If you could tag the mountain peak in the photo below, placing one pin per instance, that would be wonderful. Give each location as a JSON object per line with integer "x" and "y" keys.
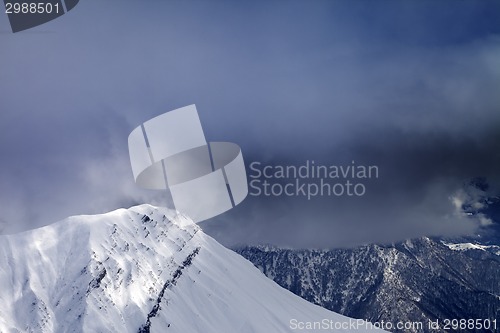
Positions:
{"x": 142, "y": 269}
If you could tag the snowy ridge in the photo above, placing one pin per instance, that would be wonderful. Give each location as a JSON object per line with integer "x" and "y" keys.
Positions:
{"x": 144, "y": 269}
{"x": 495, "y": 249}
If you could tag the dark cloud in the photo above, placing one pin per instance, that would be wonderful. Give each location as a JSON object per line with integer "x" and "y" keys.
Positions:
{"x": 408, "y": 86}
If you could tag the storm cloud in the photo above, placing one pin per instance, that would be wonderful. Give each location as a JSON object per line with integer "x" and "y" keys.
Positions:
{"x": 411, "y": 87}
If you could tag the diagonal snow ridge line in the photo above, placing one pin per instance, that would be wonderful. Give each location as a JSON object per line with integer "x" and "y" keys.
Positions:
{"x": 172, "y": 282}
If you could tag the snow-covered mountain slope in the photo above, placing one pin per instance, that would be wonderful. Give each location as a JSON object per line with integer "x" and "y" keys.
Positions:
{"x": 144, "y": 269}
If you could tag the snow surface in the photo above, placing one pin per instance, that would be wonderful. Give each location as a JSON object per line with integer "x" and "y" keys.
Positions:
{"x": 495, "y": 249}
{"x": 143, "y": 269}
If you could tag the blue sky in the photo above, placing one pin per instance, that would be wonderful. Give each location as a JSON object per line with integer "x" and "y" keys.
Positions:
{"x": 408, "y": 85}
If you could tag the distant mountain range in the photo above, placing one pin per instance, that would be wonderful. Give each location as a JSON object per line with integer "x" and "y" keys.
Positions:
{"x": 418, "y": 280}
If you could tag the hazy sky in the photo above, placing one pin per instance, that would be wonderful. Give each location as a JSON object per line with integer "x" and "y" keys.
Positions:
{"x": 409, "y": 86}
